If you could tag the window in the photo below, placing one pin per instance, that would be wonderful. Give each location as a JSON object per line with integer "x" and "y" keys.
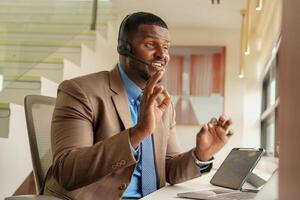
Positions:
{"x": 270, "y": 102}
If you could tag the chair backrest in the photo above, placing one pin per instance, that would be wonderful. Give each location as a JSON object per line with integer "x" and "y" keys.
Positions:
{"x": 38, "y": 112}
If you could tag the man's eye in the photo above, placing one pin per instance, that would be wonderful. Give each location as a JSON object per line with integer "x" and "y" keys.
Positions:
{"x": 166, "y": 47}
{"x": 149, "y": 45}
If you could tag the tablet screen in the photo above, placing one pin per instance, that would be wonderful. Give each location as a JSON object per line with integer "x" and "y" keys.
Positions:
{"x": 236, "y": 167}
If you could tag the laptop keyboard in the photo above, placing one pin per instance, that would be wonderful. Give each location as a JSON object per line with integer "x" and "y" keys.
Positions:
{"x": 235, "y": 196}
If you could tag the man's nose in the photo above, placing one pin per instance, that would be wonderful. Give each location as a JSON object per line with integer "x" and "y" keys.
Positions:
{"x": 160, "y": 53}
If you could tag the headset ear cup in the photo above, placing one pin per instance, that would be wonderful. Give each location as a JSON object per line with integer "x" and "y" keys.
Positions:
{"x": 124, "y": 48}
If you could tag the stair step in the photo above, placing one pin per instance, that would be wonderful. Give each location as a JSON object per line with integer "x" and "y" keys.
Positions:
{"x": 42, "y": 43}
{"x": 100, "y": 21}
{"x": 65, "y": 27}
{"x": 41, "y": 49}
{"x": 30, "y": 59}
{"x": 45, "y": 36}
{"x": 48, "y": 31}
{"x": 17, "y": 87}
{"x": 49, "y": 67}
{"x": 16, "y": 51}
{"x": 23, "y": 78}
{"x": 18, "y": 82}
{"x": 20, "y": 68}
{"x": 54, "y": 45}
{"x": 38, "y": 56}
{"x": 55, "y": 12}
{"x": 52, "y": 16}
{"x": 37, "y": 18}
{"x": 23, "y": 67}
{"x": 4, "y": 105}
{"x": 37, "y": 68}
{"x": 54, "y": 74}
{"x": 56, "y": 4}
{"x": 19, "y": 11}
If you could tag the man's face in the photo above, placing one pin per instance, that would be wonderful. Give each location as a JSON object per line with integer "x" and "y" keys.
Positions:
{"x": 150, "y": 43}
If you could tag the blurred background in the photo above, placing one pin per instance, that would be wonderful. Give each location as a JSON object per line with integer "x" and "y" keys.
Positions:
{"x": 224, "y": 60}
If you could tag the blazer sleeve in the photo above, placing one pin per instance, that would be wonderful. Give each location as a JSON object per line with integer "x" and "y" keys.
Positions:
{"x": 180, "y": 167}
{"x": 77, "y": 161}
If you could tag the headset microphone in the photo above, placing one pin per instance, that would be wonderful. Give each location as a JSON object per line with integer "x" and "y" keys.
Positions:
{"x": 132, "y": 56}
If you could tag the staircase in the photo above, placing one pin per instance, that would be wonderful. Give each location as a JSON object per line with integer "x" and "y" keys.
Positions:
{"x": 42, "y": 43}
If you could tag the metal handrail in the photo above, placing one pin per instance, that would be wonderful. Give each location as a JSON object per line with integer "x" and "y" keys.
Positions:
{"x": 94, "y": 15}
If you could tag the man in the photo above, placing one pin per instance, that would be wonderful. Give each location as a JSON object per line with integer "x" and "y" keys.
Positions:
{"x": 113, "y": 133}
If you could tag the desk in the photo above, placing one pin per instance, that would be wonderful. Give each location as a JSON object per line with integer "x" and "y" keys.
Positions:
{"x": 264, "y": 169}
{"x": 170, "y": 191}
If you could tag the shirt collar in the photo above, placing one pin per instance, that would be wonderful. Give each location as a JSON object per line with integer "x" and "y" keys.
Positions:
{"x": 133, "y": 91}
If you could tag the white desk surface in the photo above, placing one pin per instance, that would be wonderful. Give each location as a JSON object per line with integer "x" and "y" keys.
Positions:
{"x": 169, "y": 192}
{"x": 202, "y": 183}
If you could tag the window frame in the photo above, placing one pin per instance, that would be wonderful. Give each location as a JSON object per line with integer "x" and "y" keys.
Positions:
{"x": 269, "y": 110}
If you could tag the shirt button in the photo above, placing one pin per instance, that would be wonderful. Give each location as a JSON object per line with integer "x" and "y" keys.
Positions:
{"x": 123, "y": 186}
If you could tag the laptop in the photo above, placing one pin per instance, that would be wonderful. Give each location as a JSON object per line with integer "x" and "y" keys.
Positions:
{"x": 268, "y": 192}
{"x": 232, "y": 174}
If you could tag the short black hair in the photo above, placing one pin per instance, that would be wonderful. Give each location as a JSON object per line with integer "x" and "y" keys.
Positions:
{"x": 135, "y": 19}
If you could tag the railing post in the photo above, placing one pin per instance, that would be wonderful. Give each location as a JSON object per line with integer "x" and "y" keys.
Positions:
{"x": 94, "y": 15}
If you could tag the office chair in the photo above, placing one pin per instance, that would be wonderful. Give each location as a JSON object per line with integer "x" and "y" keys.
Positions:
{"x": 38, "y": 112}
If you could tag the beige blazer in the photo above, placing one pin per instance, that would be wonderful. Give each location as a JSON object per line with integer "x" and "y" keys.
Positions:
{"x": 92, "y": 158}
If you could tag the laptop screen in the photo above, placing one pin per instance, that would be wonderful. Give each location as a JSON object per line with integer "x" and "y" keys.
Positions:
{"x": 236, "y": 167}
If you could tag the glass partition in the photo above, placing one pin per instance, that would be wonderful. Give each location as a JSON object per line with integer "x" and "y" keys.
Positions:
{"x": 37, "y": 36}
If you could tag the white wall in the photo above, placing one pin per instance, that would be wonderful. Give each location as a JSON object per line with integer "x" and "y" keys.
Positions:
{"x": 14, "y": 154}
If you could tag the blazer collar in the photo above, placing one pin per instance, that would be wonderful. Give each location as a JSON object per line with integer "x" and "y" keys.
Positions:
{"x": 120, "y": 98}
{"x": 115, "y": 81}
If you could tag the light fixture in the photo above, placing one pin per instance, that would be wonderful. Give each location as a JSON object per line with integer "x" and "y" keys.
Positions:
{"x": 248, "y": 28}
{"x": 258, "y": 5}
{"x": 241, "y": 71}
{"x": 213, "y": 1}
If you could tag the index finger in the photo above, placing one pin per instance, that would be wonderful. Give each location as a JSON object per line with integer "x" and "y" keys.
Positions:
{"x": 152, "y": 82}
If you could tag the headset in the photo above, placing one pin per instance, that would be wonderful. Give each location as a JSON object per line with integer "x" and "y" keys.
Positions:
{"x": 124, "y": 47}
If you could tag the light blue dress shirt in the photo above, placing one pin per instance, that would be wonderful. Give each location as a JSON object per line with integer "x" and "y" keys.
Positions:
{"x": 133, "y": 93}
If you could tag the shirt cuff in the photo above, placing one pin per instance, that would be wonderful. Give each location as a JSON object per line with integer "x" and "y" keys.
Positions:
{"x": 135, "y": 151}
{"x": 202, "y": 165}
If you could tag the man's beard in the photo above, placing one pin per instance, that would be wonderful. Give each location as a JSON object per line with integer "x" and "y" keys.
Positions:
{"x": 145, "y": 74}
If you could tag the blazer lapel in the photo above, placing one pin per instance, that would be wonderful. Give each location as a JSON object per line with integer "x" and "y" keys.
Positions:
{"x": 120, "y": 98}
{"x": 120, "y": 101}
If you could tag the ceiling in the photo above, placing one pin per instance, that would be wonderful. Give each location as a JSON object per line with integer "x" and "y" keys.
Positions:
{"x": 188, "y": 13}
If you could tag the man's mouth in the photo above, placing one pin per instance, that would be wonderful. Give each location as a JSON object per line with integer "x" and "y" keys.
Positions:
{"x": 158, "y": 65}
